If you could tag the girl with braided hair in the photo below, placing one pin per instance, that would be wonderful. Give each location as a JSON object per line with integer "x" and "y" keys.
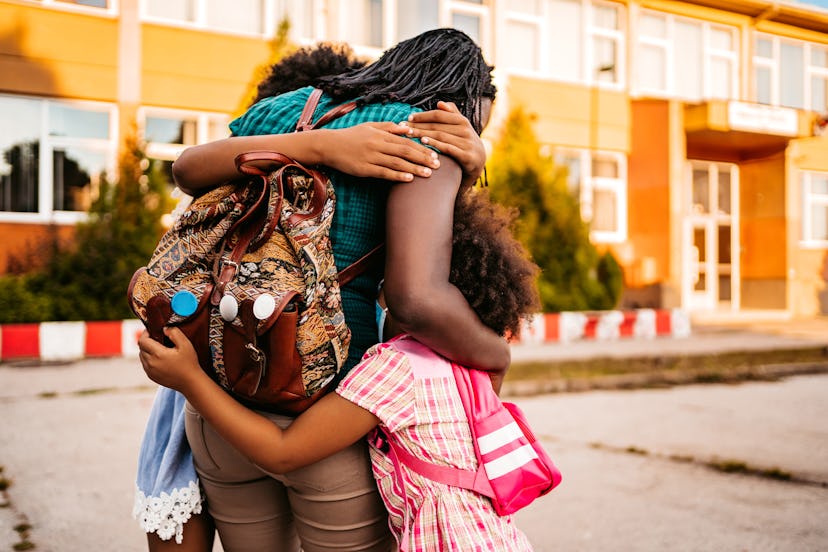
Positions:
{"x": 334, "y": 502}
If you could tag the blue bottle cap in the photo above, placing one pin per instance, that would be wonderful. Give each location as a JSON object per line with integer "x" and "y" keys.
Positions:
{"x": 184, "y": 303}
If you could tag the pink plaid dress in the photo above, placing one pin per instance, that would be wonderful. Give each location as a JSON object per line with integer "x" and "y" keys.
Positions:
{"x": 423, "y": 410}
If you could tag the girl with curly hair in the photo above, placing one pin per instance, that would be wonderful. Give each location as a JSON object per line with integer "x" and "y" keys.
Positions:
{"x": 389, "y": 388}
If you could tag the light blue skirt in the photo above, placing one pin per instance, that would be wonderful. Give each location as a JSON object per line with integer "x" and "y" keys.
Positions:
{"x": 167, "y": 491}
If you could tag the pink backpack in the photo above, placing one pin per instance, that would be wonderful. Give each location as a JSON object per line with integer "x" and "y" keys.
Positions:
{"x": 513, "y": 469}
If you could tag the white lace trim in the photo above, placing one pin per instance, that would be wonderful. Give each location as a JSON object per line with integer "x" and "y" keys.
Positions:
{"x": 167, "y": 514}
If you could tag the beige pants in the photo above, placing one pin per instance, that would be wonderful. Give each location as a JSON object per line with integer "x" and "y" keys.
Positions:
{"x": 330, "y": 505}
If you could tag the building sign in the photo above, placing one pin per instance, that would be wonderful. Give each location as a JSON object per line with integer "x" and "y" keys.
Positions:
{"x": 762, "y": 118}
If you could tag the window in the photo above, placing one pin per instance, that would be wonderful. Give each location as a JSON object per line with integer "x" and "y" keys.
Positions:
{"x": 168, "y": 132}
{"x": 572, "y": 40}
{"x": 90, "y": 3}
{"x": 790, "y": 73}
{"x": 523, "y": 48}
{"x": 303, "y": 16}
{"x": 241, "y": 16}
{"x": 364, "y": 23}
{"x": 99, "y": 7}
{"x": 379, "y": 24}
{"x": 52, "y": 155}
{"x": 599, "y": 181}
{"x": 685, "y": 58}
{"x": 815, "y": 208}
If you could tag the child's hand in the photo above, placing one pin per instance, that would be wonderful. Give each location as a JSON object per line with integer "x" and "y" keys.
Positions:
{"x": 449, "y": 131}
{"x": 376, "y": 150}
{"x": 175, "y": 367}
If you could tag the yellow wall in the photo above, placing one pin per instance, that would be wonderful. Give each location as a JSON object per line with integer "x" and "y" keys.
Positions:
{"x": 808, "y": 268}
{"x": 197, "y": 70}
{"x": 574, "y": 115}
{"x": 55, "y": 53}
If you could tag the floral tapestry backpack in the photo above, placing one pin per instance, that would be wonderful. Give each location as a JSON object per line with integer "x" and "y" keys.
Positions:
{"x": 247, "y": 273}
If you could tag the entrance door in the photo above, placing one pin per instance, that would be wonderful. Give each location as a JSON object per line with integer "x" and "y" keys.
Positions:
{"x": 710, "y": 274}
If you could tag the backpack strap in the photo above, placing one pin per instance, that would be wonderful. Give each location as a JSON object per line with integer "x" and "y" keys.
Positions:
{"x": 306, "y": 118}
{"x": 473, "y": 480}
{"x": 370, "y": 259}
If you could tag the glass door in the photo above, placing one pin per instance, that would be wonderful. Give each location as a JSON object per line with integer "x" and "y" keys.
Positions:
{"x": 710, "y": 274}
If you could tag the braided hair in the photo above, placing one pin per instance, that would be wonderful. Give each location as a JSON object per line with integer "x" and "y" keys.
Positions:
{"x": 440, "y": 64}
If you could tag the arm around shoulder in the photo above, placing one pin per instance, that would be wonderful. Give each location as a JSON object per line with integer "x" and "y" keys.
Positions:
{"x": 417, "y": 288}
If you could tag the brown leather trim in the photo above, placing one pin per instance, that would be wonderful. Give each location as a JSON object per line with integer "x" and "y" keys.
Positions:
{"x": 362, "y": 264}
{"x": 243, "y": 161}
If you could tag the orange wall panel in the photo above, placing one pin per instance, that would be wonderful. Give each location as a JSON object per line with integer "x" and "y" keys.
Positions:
{"x": 764, "y": 235}
{"x": 648, "y": 188}
{"x": 58, "y": 53}
{"x": 23, "y": 240}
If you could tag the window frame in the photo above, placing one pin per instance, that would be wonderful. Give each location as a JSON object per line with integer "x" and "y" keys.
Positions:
{"x": 390, "y": 33}
{"x": 47, "y": 143}
{"x": 588, "y": 33}
{"x": 111, "y": 10}
{"x": 667, "y": 43}
{"x": 774, "y": 64}
{"x": 199, "y": 21}
{"x": 168, "y": 151}
{"x": 809, "y": 200}
{"x": 589, "y": 184}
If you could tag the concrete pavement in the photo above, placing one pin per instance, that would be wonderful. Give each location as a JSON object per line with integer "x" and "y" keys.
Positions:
{"x": 636, "y": 464}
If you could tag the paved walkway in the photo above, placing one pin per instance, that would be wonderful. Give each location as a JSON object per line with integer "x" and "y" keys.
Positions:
{"x": 70, "y": 436}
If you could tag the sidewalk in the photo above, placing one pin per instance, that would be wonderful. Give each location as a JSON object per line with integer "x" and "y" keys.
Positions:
{"x": 70, "y": 432}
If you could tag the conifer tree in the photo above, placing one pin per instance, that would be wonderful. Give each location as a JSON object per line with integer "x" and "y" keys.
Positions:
{"x": 574, "y": 276}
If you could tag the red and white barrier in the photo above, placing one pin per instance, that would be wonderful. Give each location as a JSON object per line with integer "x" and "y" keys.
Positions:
{"x": 566, "y": 327}
{"x": 67, "y": 341}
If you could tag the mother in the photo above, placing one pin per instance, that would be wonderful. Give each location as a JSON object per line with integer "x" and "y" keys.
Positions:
{"x": 334, "y": 504}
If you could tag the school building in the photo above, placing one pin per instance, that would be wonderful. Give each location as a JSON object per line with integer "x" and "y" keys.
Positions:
{"x": 691, "y": 129}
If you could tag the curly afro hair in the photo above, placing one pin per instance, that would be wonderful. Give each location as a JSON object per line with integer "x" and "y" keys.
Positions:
{"x": 306, "y": 66}
{"x": 489, "y": 266}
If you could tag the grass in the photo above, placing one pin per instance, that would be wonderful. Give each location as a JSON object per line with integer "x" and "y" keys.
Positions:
{"x": 23, "y": 532}
{"x": 724, "y": 466}
{"x": 662, "y": 371}
{"x": 737, "y": 466}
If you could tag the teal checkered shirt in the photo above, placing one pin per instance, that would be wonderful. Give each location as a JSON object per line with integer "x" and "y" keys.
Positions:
{"x": 359, "y": 221}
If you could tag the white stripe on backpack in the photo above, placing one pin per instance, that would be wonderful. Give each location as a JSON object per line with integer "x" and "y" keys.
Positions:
{"x": 510, "y": 462}
{"x": 499, "y": 437}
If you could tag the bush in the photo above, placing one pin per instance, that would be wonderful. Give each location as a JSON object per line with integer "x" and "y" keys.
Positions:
{"x": 88, "y": 279}
{"x": 20, "y": 303}
{"x": 574, "y": 276}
